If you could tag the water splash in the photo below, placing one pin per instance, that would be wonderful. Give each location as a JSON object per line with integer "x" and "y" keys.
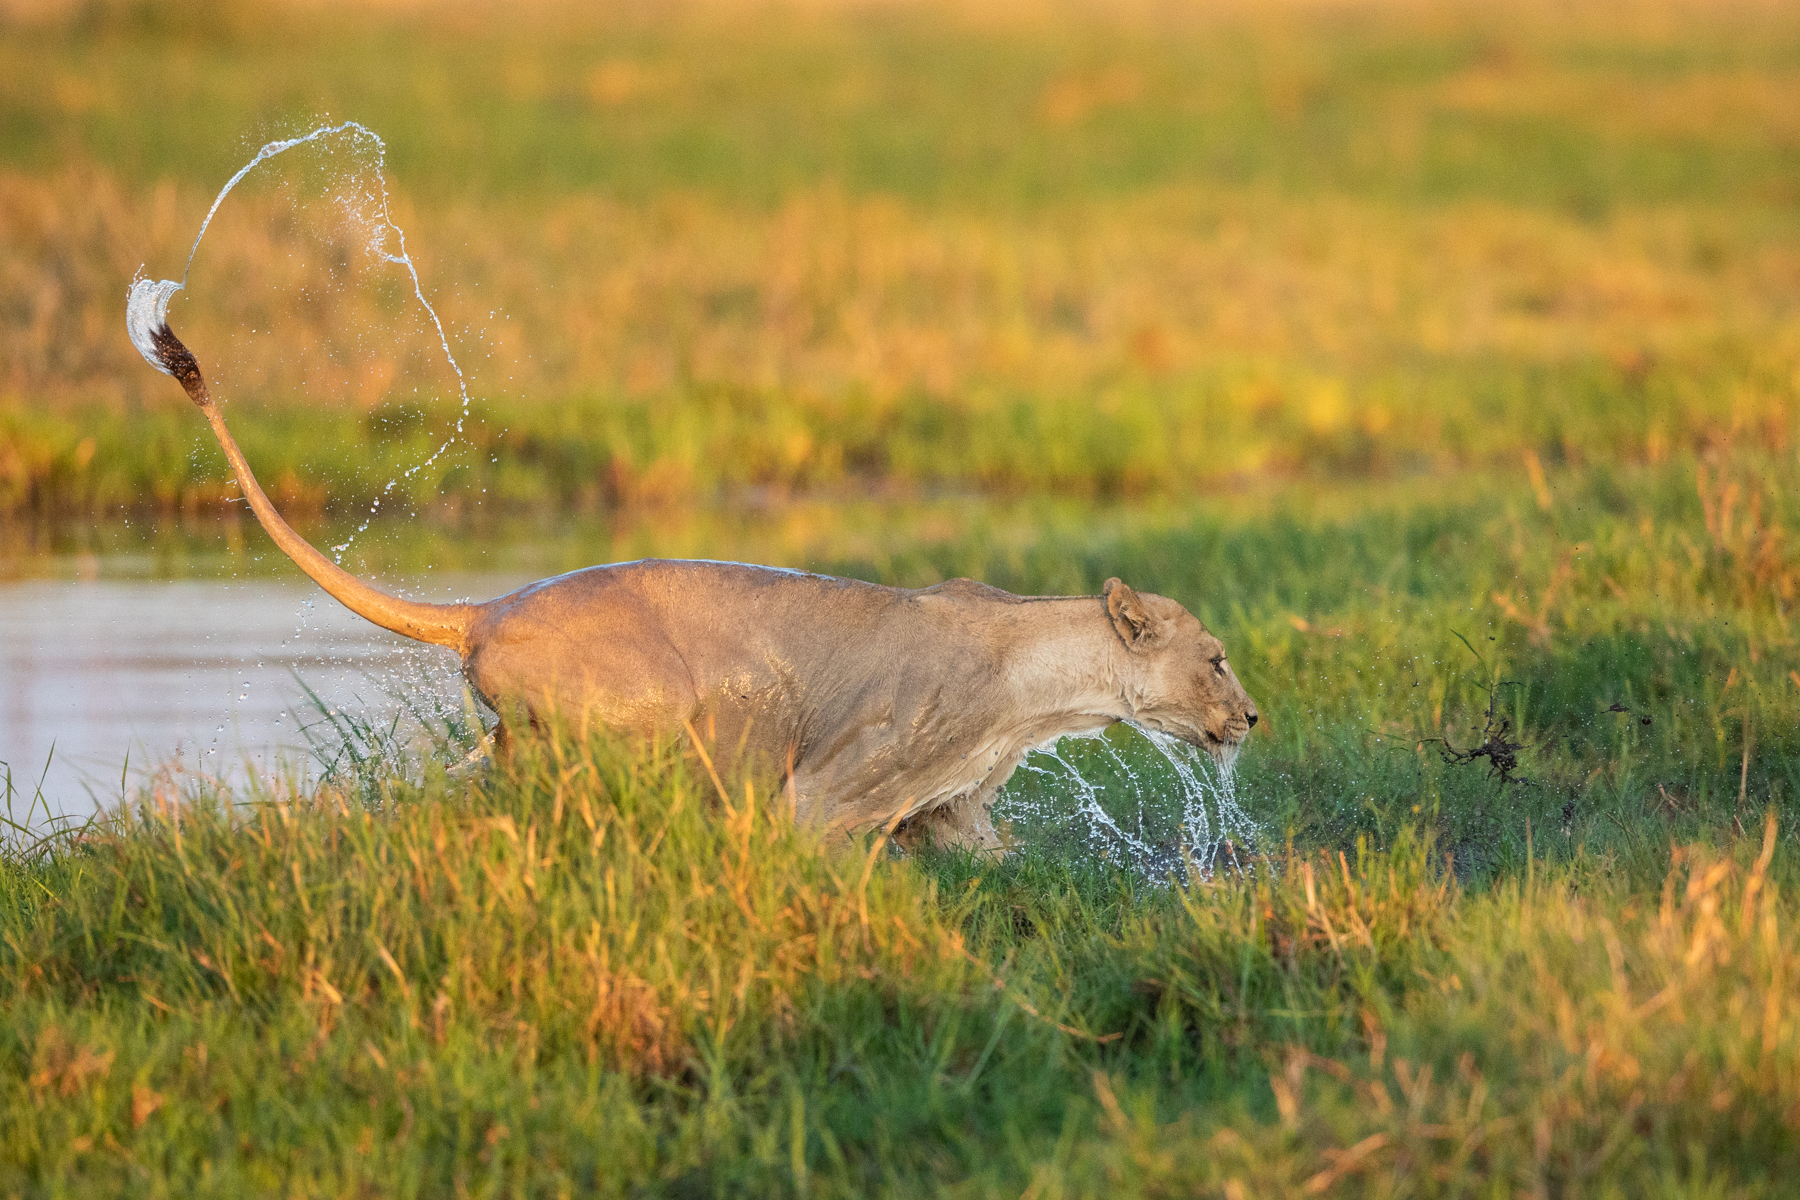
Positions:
{"x": 1188, "y": 821}
{"x": 146, "y": 311}
{"x": 358, "y": 190}
{"x": 147, "y": 304}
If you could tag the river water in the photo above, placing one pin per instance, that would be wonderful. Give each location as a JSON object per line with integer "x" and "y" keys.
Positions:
{"x": 108, "y": 678}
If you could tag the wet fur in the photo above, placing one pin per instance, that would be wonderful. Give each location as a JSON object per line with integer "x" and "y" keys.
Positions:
{"x": 884, "y": 706}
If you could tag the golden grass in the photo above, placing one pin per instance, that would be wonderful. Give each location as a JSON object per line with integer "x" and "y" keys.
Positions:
{"x": 830, "y": 292}
{"x": 1205, "y": 336}
{"x": 1572, "y": 1038}
{"x": 460, "y": 914}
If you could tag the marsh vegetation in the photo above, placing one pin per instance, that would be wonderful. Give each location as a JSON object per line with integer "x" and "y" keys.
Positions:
{"x": 1442, "y": 360}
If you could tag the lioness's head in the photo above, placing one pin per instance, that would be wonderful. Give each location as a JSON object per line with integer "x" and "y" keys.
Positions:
{"x": 1183, "y": 685}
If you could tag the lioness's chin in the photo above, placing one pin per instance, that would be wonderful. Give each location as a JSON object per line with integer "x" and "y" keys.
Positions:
{"x": 1224, "y": 751}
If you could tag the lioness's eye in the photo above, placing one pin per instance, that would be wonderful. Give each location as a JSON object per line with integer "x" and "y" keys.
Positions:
{"x": 1219, "y": 664}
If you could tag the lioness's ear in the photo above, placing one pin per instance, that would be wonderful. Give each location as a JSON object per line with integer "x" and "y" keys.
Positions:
{"x": 1137, "y": 626}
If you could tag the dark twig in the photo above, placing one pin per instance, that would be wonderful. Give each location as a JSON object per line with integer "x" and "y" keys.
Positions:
{"x": 1501, "y": 752}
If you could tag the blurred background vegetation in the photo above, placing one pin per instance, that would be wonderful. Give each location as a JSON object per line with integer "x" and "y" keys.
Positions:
{"x": 1422, "y": 349}
{"x": 698, "y": 251}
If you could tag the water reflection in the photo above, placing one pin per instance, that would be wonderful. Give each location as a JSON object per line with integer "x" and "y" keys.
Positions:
{"x": 198, "y": 675}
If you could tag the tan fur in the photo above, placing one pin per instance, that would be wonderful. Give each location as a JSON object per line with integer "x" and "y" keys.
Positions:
{"x": 889, "y": 705}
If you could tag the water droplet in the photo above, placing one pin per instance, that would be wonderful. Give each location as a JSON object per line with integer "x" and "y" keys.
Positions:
{"x": 1188, "y": 819}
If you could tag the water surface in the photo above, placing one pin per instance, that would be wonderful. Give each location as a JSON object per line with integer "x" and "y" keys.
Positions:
{"x": 193, "y": 675}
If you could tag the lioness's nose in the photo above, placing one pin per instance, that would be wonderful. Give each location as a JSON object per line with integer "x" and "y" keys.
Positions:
{"x": 1250, "y": 715}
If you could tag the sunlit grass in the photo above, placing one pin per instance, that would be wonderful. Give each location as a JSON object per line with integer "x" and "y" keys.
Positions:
{"x": 593, "y": 971}
{"x": 698, "y": 257}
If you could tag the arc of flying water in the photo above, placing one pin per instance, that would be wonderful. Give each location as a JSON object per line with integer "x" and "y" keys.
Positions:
{"x": 1203, "y": 837}
{"x": 1190, "y": 763}
{"x": 147, "y": 303}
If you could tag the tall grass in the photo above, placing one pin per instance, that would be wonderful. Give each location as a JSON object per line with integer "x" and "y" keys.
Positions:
{"x": 596, "y": 971}
{"x": 1578, "y": 1036}
{"x": 589, "y": 909}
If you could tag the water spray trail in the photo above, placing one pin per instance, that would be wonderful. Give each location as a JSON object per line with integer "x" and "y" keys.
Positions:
{"x": 1210, "y": 825}
{"x": 1190, "y": 763}
{"x": 366, "y": 206}
{"x": 150, "y": 300}
{"x": 1105, "y": 835}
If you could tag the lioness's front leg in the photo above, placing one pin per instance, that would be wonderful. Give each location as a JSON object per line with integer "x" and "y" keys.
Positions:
{"x": 965, "y": 823}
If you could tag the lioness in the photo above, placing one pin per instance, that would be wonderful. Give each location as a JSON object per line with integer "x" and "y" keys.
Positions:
{"x": 884, "y": 705}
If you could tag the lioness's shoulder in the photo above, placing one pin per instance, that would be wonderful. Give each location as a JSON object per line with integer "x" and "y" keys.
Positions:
{"x": 970, "y": 589}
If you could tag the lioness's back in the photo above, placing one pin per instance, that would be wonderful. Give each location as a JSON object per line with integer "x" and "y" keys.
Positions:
{"x": 644, "y": 632}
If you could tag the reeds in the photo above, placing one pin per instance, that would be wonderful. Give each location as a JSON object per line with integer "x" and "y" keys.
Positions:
{"x": 1574, "y": 1039}
{"x": 602, "y": 900}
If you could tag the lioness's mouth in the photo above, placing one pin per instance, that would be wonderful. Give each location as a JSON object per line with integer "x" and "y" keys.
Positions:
{"x": 1223, "y": 748}
{"x": 1214, "y": 743}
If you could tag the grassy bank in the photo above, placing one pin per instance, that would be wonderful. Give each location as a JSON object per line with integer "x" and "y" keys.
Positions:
{"x": 591, "y": 973}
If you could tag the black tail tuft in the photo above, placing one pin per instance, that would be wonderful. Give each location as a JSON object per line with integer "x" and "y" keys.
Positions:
{"x": 179, "y": 361}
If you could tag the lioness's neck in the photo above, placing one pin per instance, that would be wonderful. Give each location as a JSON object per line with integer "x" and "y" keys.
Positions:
{"x": 1064, "y": 660}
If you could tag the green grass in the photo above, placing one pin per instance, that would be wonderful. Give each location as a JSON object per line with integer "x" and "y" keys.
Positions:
{"x": 590, "y": 973}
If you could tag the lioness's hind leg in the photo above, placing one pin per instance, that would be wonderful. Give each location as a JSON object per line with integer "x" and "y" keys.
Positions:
{"x": 961, "y": 824}
{"x": 515, "y": 726}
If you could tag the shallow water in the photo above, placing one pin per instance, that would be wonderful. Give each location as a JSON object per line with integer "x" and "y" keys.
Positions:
{"x": 199, "y": 675}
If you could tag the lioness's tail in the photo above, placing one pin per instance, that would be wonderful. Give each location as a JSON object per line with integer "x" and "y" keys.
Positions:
{"x": 440, "y": 624}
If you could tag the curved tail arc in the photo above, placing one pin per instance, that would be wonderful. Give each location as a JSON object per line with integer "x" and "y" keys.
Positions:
{"x": 438, "y": 624}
